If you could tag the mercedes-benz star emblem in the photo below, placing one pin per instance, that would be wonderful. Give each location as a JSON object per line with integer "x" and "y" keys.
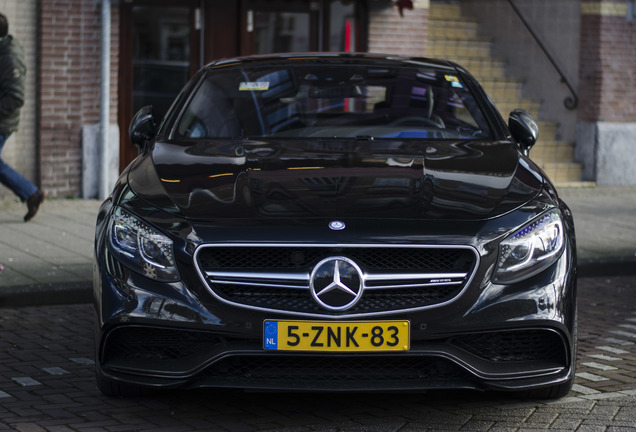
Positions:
{"x": 336, "y": 283}
{"x": 337, "y": 225}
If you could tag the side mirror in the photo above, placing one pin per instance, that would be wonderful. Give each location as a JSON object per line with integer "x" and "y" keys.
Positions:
{"x": 524, "y": 129}
{"x": 143, "y": 127}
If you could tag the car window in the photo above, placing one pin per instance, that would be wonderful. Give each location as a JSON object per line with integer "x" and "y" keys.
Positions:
{"x": 319, "y": 101}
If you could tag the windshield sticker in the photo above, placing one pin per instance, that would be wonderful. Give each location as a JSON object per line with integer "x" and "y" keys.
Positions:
{"x": 454, "y": 81}
{"x": 254, "y": 85}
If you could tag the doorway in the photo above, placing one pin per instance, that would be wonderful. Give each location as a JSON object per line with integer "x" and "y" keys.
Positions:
{"x": 159, "y": 53}
{"x": 282, "y": 26}
{"x": 164, "y": 42}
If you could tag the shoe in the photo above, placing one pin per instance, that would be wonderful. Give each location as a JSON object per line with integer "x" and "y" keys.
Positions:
{"x": 33, "y": 204}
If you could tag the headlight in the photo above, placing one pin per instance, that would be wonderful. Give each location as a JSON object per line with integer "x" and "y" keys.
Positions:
{"x": 141, "y": 247}
{"x": 531, "y": 249}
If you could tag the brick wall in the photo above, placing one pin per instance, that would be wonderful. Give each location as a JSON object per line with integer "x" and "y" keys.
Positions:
{"x": 69, "y": 87}
{"x": 591, "y": 69}
{"x": 21, "y": 150}
{"x": 606, "y": 132}
{"x": 391, "y": 33}
{"x": 608, "y": 63}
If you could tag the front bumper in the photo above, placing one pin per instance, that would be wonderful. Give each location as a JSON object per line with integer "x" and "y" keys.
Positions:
{"x": 495, "y": 338}
{"x": 511, "y": 359}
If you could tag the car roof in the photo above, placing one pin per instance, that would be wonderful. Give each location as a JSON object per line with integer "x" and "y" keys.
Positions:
{"x": 332, "y": 58}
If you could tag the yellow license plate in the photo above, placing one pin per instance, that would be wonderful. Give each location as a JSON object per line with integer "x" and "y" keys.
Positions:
{"x": 282, "y": 335}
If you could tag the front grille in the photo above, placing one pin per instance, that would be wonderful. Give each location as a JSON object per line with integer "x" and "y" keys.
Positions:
{"x": 277, "y": 278}
{"x": 167, "y": 350}
{"x": 297, "y": 257}
{"x": 342, "y": 372}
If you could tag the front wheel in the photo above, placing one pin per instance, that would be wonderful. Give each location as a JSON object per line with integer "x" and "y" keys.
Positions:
{"x": 553, "y": 392}
{"x": 113, "y": 388}
{"x": 559, "y": 390}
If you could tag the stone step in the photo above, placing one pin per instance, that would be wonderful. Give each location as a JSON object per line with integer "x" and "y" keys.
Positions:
{"x": 576, "y": 184}
{"x": 456, "y": 38}
{"x": 454, "y": 30}
{"x": 450, "y": 49}
{"x": 553, "y": 151}
{"x": 483, "y": 68}
{"x": 502, "y": 89}
{"x": 547, "y": 129}
{"x": 446, "y": 11}
{"x": 561, "y": 172}
{"x": 551, "y": 143}
{"x": 505, "y": 107}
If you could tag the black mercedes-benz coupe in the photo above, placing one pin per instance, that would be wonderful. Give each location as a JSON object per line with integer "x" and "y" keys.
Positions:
{"x": 335, "y": 222}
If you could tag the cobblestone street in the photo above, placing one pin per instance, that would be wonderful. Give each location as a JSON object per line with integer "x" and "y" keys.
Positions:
{"x": 47, "y": 384}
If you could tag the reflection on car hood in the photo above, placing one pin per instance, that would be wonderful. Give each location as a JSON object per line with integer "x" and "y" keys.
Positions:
{"x": 336, "y": 179}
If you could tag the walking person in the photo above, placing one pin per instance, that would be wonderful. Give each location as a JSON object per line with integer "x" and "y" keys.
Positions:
{"x": 12, "y": 80}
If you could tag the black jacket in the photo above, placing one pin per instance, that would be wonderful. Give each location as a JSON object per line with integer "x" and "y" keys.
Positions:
{"x": 12, "y": 79}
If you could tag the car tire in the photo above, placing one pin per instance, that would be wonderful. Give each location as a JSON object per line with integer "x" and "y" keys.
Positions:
{"x": 552, "y": 392}
{"x": 560, "y": 390}
{"x": 112, "y": 388}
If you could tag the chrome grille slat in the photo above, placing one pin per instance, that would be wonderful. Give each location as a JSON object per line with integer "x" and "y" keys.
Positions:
{"x": 257, "y": 283}
{"x": 254, "y": 276}
{"x": 432, "y": 276}
{"x": 301, "y": 280}
{"x": 420, "y": 285}
{"x": 279, "y": 280}
{"x": 303, "y": 277}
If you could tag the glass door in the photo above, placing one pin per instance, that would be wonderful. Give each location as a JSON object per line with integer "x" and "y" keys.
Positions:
{"x": 280, "y": 31}
{"x": 344, "y": 26}
{"x": 274, "y": 26}
{"x": 159, "y": 53}
{"x": 281, "y": 26}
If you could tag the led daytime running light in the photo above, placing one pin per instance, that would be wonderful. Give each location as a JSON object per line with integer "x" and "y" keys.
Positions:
{"x": 141, "y": 247}
{"x": 531, "y": 249}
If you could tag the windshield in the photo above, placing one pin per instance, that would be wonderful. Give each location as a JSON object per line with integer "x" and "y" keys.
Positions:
{"x": 332, "y": 101}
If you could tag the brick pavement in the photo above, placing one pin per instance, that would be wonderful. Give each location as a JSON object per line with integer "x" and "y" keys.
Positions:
{"x": 607, "y": 332}
{"x": 47, "y": 384}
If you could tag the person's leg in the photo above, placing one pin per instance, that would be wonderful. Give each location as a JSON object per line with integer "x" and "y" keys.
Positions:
{"x": 23, "y": 188}
{"x": 33, "y": 204}
{"x": 12, "y": 179}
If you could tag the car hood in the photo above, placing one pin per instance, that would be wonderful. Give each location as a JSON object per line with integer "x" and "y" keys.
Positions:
{"x": 336, "y": 179}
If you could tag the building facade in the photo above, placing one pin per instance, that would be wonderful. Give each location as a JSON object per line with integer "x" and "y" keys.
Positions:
{"x": 576, "y": 51}
{"x": 606, "y": 128}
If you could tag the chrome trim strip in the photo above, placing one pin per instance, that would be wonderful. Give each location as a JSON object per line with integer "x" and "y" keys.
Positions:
{"x": 259, "y": 284}
{"x": 300, "y": 277}
{"x": 405, "y": 276}
{"x": 282, "y": 285}
{"x": 286, "y": 280}
{"x": 420, "y": 285}
{"x": 288, "y": 283}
